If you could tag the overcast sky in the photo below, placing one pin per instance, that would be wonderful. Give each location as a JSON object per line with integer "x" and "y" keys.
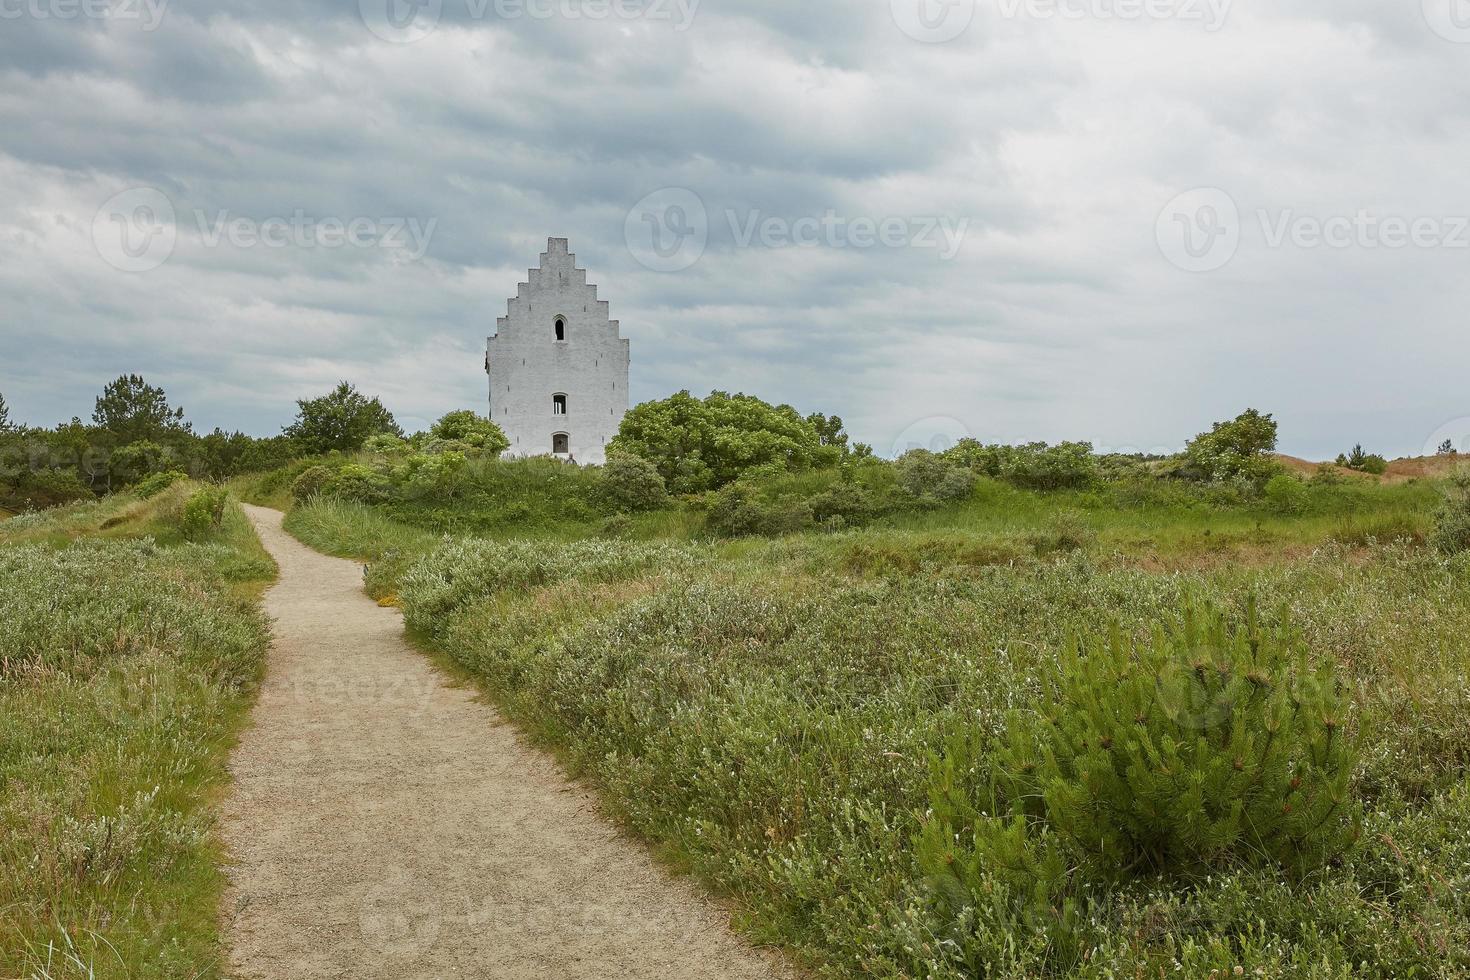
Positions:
{"x": 1111, "y": 220}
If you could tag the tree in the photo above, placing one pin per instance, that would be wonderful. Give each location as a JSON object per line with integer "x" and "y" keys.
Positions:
{"x": 4, "y": 415}
{"x": 131, "y": 410}
{"x": 1446, "y": 448}
{"x": 1237, "y": 448}
{"x": 629, "y": 484}
{"x": 473, "y": 430}
{"x": 1362, "y": 461}
{"x": 343, "y": 419}
{"x": 703, "y": 444}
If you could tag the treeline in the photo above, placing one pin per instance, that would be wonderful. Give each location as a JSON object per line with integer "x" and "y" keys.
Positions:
{"x": 135, "y": 433}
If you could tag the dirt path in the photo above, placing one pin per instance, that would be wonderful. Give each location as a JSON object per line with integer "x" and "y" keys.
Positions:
{"x": 384, "y": 824}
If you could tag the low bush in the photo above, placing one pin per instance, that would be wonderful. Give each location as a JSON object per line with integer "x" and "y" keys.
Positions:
{"x": 151, "y": 486}
{"x": 930, "y": 479}
{"x": 311, "y": 482}
{"x": 737, "y": 511}
{"x": 629, "y": 484}
{"x": 203, "y": 512}
{"x": 1452, "y": 520}
{"x": 1286, "y": 495}
{"x": 1205, "y": 750}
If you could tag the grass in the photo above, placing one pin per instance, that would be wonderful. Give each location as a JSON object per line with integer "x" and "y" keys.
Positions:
{"x": 769, "y": 713}
{"x": 129, "y": 658}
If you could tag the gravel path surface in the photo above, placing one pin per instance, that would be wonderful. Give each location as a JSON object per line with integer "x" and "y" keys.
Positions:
{"x": 385, "y": 824}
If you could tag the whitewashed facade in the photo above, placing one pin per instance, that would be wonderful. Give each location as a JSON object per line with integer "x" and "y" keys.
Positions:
{"x": 558, "y": 368}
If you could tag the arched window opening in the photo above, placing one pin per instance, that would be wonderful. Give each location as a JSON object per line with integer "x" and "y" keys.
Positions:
{"x": 561, "y": 329}
{"x": 561, "y": 443}
{"x": 558, "y": 404}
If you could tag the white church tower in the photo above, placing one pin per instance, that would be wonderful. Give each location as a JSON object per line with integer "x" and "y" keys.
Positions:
{"x": 558, "y": 369}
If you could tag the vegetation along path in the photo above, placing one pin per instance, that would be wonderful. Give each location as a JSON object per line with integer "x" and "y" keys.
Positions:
{"x": 386, "y": 824}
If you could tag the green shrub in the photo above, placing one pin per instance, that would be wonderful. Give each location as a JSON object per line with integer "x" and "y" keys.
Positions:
{"x": 1363, "y": 462}
{"x": 359, "y": 483}
{"x": 631, "y": 484}
{"x": 152, "y": 486}
{"x": 736, "y": 513}
{"x": 704, "y": 444}
{"x": 930, "y": 479}
{"x": 846, "y": 502}
{"x": 1452, "y": 520}
{"x": 478, "y": 433}
{"x": 1237, "y": 450}
{"x": 1286, "y": 494}
{"x": 204, "y": 511}
{"x": 1207, "y": 748}
{"x": 311, "y": 483}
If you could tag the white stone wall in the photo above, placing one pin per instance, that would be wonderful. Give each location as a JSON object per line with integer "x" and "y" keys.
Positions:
{"x": 528, "y": 366}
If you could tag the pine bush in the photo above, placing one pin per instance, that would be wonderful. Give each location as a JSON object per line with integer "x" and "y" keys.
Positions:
{"x": 1203, "y": 749}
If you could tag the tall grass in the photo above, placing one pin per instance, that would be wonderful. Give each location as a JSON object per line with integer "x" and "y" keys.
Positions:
{"x": 126, "y": 665}
{"x": 775, "y": 729}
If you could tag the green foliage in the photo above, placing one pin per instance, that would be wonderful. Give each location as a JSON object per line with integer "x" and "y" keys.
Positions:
{"x": 1452, "y": 520}
{"x": 631, "y": 484}
{"x": 203, "y": 512}
{"x": 311, "y": 482}
{"x": 474, "y": 431}
{"x": 354, "y": 481}
{"x": 1234, "y": 450}
{"x": 5, "y": 425}
{"x": 463, "y": 572}
{"x": 138, "y": 460}
{"x": 1204, "y": 749}
{"x": 1446, "y": 448}
{"x": 132, "y": 411}
{"x": 1363, "y": 462}
{"x": 341, "y": 420}
{"x": 151, "y": 486}
{"x": 1035, "y": 466}
{"x": 125, "y": 669}
{"x": 1064, "y": 531}
{"x": 706, "y": 444}
{"x": 737, "y": 511}
{"x": 1285, "y": 494}
{"x": 930, "y": 479}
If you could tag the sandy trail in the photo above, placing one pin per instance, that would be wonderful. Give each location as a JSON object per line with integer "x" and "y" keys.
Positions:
{"x": 385, "y": 824}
